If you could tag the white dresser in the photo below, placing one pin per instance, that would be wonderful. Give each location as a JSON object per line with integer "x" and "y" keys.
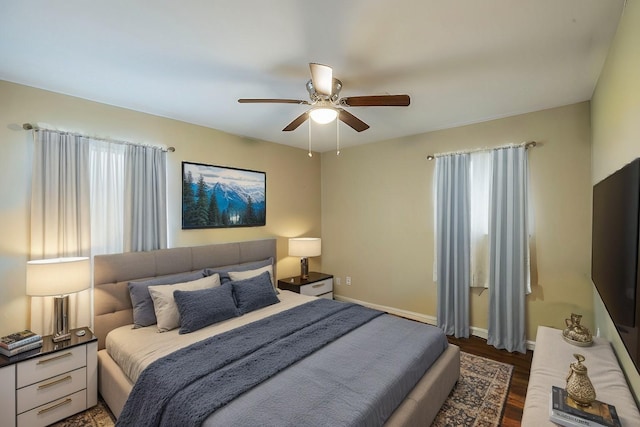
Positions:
{"x": 43, "y": 386}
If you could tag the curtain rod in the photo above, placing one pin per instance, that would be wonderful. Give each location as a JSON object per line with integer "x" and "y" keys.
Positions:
{"x": 526, "y": 145}
{"x": 29, "y": 126}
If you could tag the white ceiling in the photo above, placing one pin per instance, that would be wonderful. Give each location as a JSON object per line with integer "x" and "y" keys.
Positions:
{"x": 461, "y": 61}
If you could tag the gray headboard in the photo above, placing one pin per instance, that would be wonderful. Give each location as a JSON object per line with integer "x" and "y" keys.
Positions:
{"x": 112, "y": 273}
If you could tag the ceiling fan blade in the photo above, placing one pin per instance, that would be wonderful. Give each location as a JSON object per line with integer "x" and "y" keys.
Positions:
{"x": 322, "y": 78}
{"x": 376, "y": 101}
{"x": 352, "y": 120}
{"x": 271, "y": 101}
{"x": 296, "y": 122}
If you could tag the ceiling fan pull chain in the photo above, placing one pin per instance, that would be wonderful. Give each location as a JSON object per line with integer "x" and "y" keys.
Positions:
{"x": 310, "y": 155}
{"x": 337, "y": 137}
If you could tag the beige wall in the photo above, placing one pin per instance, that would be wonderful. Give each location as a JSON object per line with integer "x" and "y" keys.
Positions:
{"x": 615, "y": 112}
{"x": 293, "y": 179}
{"x": 377, "y": 219}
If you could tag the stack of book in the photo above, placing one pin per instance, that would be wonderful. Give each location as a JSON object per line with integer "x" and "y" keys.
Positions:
{"x": 566, "y": 412}
{"x": 19, "y": 342}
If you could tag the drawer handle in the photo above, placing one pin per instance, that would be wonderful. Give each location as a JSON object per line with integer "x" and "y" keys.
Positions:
{"x": 57, "y": 405}
{"x": 51, "y": 359}
{"x": 319, "y": 285}
{"x": 67, "y": 378}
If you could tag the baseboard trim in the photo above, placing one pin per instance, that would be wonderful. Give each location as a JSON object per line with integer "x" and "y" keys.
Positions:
{"x": 419, "y": 317}
{"x": 391, "y": 310}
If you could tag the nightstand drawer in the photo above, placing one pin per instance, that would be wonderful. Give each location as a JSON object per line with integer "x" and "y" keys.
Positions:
{"x": 50, "y": 365}
{"x": 51, "y": 389}
{"x": 317, "y": 288}
{"x": 54, "y": 411}
{"x": 328, "y": 295}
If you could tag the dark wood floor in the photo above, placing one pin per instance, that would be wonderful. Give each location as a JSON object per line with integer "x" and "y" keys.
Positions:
{"x": 522, "y": 365}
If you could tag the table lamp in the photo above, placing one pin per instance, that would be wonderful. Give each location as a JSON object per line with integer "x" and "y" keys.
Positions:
{"x": 305, "y": 247}
{"x": 58, "y": 277}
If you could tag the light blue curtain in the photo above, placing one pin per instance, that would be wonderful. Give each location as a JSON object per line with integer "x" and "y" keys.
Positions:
{"x": 145, "y": 203}
{"x": 60, "y": 219}
{"x": 91, "y": 197}
{"x": 453, "y": 243}
{"x": 508, "y": 249}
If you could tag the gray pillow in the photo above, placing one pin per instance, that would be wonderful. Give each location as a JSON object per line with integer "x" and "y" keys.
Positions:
{"x": 143, "y": 312}
{"x": 224, "y": 270}
{"x": 254, "y": 293}
{"x": 204, "y": 307}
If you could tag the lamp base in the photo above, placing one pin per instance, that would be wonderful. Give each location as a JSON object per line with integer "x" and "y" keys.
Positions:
{"x": 60, "y": 319}
{"x": 61, "y": 337}
{"x": 304, "y": 268}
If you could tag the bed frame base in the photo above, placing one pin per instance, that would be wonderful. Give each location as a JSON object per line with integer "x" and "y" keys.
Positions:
{"x": 422, "y": 404}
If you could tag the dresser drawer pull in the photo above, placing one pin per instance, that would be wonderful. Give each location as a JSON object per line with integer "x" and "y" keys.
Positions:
{"x": 51, "y": 359}
{"x": 67, "y": 378}
{"x": 57, "y": 405}
{"x": 319, "y": 285}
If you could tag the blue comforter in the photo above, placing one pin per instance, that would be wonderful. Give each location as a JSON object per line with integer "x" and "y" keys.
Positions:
{"x": 185, "y": 387}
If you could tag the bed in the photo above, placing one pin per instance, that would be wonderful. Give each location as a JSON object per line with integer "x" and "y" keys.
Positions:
{"x": 298, "y": 391}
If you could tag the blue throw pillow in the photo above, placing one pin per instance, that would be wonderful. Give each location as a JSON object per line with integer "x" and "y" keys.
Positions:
{"x": 254, "y": 293}
{"x": 143, "y": 312}
{"x": 204, "y": 307}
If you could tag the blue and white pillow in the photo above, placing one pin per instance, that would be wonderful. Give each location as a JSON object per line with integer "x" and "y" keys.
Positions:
{"x": 164, "y": 304}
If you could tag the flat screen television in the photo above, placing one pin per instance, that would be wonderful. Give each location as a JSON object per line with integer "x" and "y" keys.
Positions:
{"x": 614, "y": 255}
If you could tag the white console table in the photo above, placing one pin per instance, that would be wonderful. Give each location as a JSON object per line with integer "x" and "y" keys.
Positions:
{"x": 550, "y": 366}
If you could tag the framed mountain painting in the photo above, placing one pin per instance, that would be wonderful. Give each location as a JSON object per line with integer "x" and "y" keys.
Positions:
{"x": 221, "y": 197}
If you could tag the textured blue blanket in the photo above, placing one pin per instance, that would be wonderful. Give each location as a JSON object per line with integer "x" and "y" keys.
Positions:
{"x": 185, "y": 387}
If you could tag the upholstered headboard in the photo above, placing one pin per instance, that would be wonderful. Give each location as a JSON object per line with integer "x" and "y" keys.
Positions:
{"x": 112, "y": 273}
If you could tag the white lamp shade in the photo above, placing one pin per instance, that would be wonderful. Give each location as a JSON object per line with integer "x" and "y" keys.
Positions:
{"x": 305, "y": 246}
{"x": 323, "y": 115}
{"x": 58, "y": 276}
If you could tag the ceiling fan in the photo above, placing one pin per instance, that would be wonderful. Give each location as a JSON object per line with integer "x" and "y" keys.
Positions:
{"x": 326, "y": 104}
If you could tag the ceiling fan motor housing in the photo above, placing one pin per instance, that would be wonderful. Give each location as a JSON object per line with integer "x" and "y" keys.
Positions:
{"x": 335, "y": 92}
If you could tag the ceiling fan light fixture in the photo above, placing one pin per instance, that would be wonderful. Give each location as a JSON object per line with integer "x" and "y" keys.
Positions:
{"x": 323, "y": 115}
{"x": 326, "y": 104}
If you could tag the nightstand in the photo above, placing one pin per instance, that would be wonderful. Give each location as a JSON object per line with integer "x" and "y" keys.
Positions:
{"x": 318, "y": 284}
{"x": 45, "y": 385}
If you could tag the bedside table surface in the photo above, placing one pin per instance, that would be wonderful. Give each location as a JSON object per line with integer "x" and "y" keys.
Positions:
{"x": 314, "y": 276}
{"x": 48, "y": 346}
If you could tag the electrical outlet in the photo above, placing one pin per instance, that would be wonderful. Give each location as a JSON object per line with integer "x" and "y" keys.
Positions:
{"x": 348, "y": 280}
{"x": 338, "y": 281}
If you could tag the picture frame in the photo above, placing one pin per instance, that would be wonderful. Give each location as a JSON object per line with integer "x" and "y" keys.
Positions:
{"x": 222, "y": 197}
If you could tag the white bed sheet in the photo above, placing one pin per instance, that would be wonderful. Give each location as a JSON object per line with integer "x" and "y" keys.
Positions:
{"x": 135, "y": 349}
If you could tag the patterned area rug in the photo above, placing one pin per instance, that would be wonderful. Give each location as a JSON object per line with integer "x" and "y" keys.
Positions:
{"x": 98, "y": 416}
{"x": 477, "y": 400}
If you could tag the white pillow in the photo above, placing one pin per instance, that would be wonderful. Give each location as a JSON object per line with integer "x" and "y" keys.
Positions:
{"x": 165, "y": 306}
{"x": 248, "y": 274}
